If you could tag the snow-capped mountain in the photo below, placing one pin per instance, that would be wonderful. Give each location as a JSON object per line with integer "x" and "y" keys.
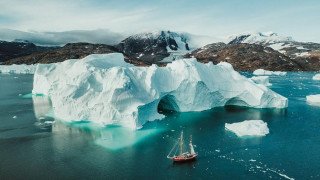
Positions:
{"x": 303, "y": 52}
{"x": 164, "y": 46}
{"x": 258, "y": 38}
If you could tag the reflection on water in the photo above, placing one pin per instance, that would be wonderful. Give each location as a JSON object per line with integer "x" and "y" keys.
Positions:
{"x": 115, "y": 137}
{"x": 41, "y": 106}
{"x": 111, "y": 137}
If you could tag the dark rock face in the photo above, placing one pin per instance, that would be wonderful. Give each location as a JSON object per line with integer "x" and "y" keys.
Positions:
{"x": 246, "y": 57}
{"x": 151, "y": 47}
{"x": 69, "y": 51}
{"x": 239, "y": 39}
{"x": 9, "y": 50}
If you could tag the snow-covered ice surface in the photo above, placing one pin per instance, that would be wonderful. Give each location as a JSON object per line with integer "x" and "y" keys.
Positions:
{"x": 264, "y": 80}
{"x": 262, "y": 72}
{"x": 316, "y": 77}
{"x": 104, "y": 89}
{"x": 17, "y": 69}
{"x": 314, "y": 99}
{"x": 249, "y": 128}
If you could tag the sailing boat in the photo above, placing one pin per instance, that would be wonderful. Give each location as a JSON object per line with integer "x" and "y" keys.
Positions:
{"x": 183, "y": 156}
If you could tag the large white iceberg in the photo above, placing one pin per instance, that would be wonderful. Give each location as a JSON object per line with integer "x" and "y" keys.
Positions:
{"x": 314, "y": 99}
{"x": 249, "y": 128}
{"x": 262, "y": 72}
{"x": 264, "y": 80}
{"x": 316, "y": 77}
{"x": 105, "y": 89}
{"x": 17, "y": 69}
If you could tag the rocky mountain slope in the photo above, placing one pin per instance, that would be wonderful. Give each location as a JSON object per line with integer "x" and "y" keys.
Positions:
{"x": 161, "y": 46}
{"x": 18, "y": 48}
{"x": 69, "y": 51}
{"x": 246, "y": 57}
{"x": 306, "y": 54}
{"x": 153, "y": 46}
{"x": 246, "y": 52}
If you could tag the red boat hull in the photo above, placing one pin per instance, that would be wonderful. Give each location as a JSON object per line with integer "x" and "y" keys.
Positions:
{"x": 185, "y": 159}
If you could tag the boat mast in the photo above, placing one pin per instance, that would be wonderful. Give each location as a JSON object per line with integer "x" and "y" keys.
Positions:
{"x": 181, "y": 145}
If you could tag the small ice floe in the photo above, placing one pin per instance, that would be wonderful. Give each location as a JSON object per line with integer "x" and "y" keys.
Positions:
{"x": 217, "y": 150}
{"x": 316, "y": 77}
{"x": 249, "y": 128}
{"x": 264, "y": 80}
{"x": 262, "y": 72}
{"x": 172, "y": 130}
{"x": 14, "y": 117}
{"x": 252, "y": 160}
{"x": 48, "y": 122}
{"x": 17, "y": 69}
{"x": 314, "y": 99}
{"x": 20, "y": 94}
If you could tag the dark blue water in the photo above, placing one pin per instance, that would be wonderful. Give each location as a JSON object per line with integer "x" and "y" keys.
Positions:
{"x": 32, "y": 147}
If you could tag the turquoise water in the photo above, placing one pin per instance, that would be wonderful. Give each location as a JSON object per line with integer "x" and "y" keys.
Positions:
{"x": 33, "y": 147}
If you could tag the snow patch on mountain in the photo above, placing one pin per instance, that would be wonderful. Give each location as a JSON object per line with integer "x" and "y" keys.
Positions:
{"x": 104, "y": 89}
{"x": 258, "y": 38}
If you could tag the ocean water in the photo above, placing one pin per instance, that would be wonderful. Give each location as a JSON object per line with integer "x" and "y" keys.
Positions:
{"x": 35, "y": 145}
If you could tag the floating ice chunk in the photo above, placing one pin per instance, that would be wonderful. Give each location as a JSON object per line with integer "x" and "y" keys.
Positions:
{"x": 17, "y": 69}
{"x": 316, "y": 77}
{"x": 314, "y": 99}
{"x": 104, "y": 89}
{"x": 264, "y": 80}
{"x": 249, "y": 128}
{"x": 14, "y": 117}
{"x": 262, "y": 72}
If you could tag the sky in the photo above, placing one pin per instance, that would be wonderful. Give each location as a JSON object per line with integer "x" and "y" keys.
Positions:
{"x": 115, "y": 19}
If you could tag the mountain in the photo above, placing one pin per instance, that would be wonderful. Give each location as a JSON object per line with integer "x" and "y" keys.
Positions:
{"x": 246, "y": 52}
{"x": 246, "y": 57}
{"x": 18, "y": 48}
{"x": 69, "y": 51}
{"x": 161, "y": 46}
{"x": 305, "y": 53}
{"x": 258, "y": 38}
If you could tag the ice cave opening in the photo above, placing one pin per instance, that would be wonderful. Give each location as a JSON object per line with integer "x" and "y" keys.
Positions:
{"x": 168, "y": 103}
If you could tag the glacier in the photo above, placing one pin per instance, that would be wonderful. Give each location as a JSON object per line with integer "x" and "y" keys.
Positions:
{"x": 104, "y": 89}
{"x": 262, "y": 72}
{"x": 17, "y": 69}
{"x": 249, "y": 128}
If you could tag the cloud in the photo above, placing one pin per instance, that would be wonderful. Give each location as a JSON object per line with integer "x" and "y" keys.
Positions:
{"x": 102, "y": 36}
{"x": 213, "y": 18}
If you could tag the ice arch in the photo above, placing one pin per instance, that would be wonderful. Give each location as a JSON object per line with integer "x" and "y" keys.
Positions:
{"x": 104, "y": 89}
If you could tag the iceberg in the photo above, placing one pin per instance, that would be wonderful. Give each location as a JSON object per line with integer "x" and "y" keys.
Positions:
{"x": 17, "y": 69}
{"x": 314, "y": 99}
{"x": 262, "y": 72}
{"x": 249, "y": 128}
{"x": 264, "y": 80}
{"x": 316, "y": 77}
{"x": 104, "y": 89}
